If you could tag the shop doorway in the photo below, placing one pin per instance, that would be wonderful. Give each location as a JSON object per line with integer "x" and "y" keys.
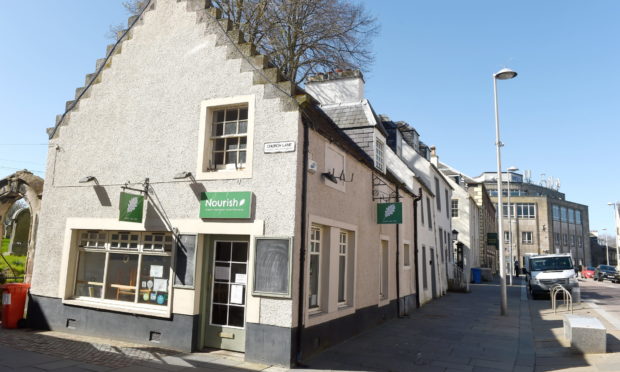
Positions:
{"x": 224, "y": 308}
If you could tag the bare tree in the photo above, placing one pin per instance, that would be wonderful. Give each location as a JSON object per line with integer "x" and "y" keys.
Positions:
{"x": 302, "y": 37}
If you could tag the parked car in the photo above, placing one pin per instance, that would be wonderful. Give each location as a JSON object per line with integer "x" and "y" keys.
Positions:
{"x": 588, "y": 272}
{"x": 603, "y": 272}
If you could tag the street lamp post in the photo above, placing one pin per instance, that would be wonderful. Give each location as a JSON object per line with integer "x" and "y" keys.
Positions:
{"x": 614, "y": 205}
{"x": 503, "y": 74}
{"x": 606, "y": 247}
{"x": 512, "y": 265}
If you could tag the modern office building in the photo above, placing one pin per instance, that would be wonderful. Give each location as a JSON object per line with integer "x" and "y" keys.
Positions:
{"x": 541, "y": 219}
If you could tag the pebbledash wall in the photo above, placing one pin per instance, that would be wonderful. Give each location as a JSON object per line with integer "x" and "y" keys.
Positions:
{"x": 149, "y": 115}
{"x": 145, "y": 118}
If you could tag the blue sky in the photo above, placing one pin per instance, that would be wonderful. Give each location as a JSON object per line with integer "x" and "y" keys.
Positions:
{"x": 433, "y": 69}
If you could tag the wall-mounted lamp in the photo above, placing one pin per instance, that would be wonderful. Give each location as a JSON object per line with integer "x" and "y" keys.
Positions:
{"x": 87, "y": 179}
{"x": 182, "y": 175}
{"x": 455, "y": 235}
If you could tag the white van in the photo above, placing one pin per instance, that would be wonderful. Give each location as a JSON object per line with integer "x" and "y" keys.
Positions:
{"x": 545, "y": 271}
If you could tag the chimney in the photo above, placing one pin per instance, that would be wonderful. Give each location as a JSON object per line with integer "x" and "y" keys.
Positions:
{"x": 434, "y": 157}
{"x": 339, "y": 86}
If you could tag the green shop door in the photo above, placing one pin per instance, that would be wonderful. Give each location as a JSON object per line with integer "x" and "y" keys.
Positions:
{"x": 226, "y": 284}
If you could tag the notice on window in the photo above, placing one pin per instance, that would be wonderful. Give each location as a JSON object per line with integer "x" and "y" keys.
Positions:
{"x": 157, "y": 271}
{"x": 160, "y": 285}
{"x": 241, "y": 278}
{"x": 236, "y": 294}
{"x": 222, "y": 273}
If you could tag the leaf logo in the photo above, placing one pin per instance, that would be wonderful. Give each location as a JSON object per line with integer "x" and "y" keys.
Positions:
{"x": 242, "y": 202}
{"x": 390, "y": 210}
{"x": 132, "y": 205}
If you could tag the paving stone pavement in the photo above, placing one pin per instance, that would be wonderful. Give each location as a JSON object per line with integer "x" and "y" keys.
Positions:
{"x": 457, "y": 332}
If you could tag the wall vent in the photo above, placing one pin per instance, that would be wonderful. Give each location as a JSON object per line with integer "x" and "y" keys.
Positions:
{"x": 155, "y": 336}
{"x": 71, "y": 323}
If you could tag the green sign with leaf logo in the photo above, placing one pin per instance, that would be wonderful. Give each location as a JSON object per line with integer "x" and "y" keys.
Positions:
{"x": 131, "y": 207}
{"x": 389, "y": 213}
{"x": 226, "y": 204}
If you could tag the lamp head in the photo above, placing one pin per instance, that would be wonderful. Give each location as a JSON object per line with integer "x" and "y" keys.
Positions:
{"x": 87, "y": 179}
{"x": 505, "y": 74}
{"x": 182, "y": 175}
{"x": 513, "y": 169}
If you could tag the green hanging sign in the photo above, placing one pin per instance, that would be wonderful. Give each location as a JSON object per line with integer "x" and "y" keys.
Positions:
{"x": 131, "y": 207}
{"x": 492, "y": 239}
{"x": 226, "y": 204}
{"x": 389, "y": 213}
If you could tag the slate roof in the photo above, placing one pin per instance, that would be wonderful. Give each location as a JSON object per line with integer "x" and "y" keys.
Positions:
{"x": 351, "y": 115}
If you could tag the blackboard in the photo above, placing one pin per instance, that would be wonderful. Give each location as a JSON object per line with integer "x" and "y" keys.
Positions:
{"x": 185, "y": 261}
{"x": 272, "y": 267}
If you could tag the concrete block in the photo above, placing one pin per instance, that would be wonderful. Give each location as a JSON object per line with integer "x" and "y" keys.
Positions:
{"x": 585, "y": 333}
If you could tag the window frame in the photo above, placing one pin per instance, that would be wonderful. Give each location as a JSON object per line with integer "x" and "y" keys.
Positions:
{"x": 437, "y": 194}
{"x": 205, "y": 147}
{"x": 525, "y": 235}
{"x": 380, "y": 154}
{"x": 343, "y": 233}
{"x": 406, "y": 254}
{"x": 454, "y": 208}
{"x": 312, "y": 239}
{"x": 70, "y": 285}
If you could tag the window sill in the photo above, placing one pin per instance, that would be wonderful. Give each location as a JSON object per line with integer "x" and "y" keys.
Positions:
{"x": 224, "y": 174}
{"x": 117, "y": 306}
{"x": 315, "y": 313}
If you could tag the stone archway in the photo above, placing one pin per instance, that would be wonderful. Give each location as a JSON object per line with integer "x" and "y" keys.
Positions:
{"x": 23, "y": 184}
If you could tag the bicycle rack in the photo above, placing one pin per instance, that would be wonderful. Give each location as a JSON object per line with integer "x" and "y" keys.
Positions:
{"x": 566, "y": 297}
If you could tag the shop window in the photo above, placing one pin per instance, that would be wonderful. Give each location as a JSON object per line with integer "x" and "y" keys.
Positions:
{"x": 227, "y": 130}
{"x": 123, "y": 266}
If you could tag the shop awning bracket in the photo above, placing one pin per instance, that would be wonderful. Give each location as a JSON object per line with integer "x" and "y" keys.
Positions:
{"x": 381, "y": 195}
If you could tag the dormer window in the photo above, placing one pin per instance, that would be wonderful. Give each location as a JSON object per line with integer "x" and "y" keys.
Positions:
{"x": 380, "y": 155}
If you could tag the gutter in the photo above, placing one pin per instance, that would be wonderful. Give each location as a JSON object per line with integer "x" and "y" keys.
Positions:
{"x": 302, "y": 242}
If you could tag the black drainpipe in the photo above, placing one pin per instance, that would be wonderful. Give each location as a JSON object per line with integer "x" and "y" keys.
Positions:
{"x": 397, "y": 263}
{"x": 415, "y": 247}
{"x": 302, "y": 243}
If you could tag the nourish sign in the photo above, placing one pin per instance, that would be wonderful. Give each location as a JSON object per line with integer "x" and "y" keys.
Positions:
{"x": 226, "y": 204}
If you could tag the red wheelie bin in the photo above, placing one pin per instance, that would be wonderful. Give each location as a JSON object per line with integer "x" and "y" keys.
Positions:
{"x": 13, "y": 302}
